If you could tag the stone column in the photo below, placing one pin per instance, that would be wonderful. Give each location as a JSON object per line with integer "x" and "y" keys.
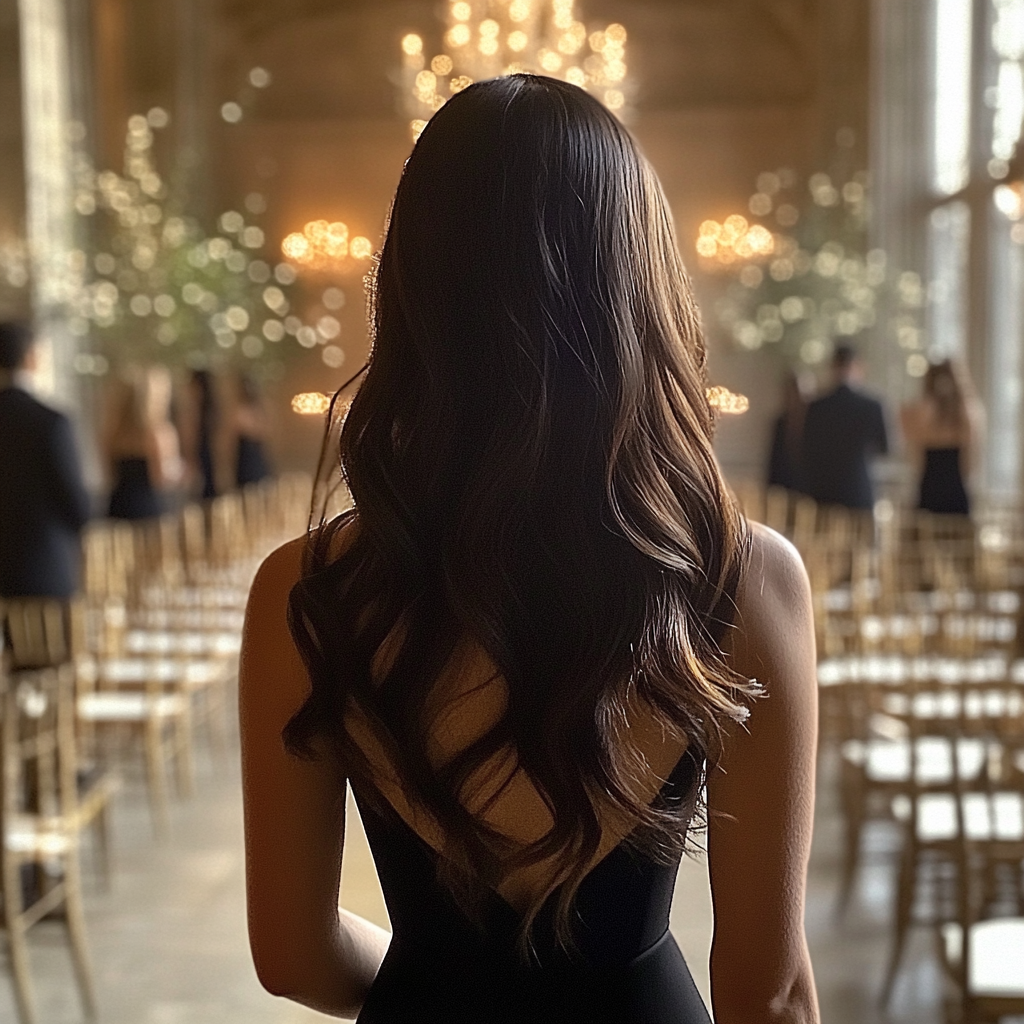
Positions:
{"x": 48, "y": 130}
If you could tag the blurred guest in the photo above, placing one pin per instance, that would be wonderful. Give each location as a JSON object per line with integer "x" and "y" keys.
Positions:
{"x": 842, "y": 431}
{"x": 942, "y": 430}
{"x": 250, "y": 422}
{"x": 199, "y": 429}
{"x": 141, "y": 444}
{"x": 43, "y": 502}
{"x": 785, "y": 462}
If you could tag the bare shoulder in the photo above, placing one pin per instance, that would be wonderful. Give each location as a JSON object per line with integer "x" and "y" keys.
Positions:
{"x": 282, "y": 568}
{"x": 773, "y": 602}
{"x": 774, "y": 572}
{"x": 278, "y": 573}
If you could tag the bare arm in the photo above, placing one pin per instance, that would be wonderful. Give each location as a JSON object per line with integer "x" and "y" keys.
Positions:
{"x": 762, "y": 802}
{"x": 303, "y": 946}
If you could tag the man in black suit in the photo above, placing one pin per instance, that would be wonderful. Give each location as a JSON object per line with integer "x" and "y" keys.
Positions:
{"x": 43, "y": 502}
{"x": 842, "y": 431}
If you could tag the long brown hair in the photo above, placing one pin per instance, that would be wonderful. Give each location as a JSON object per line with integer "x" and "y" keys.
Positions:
{"x": 531, "y": 464}
{"x": 945, "y": 385}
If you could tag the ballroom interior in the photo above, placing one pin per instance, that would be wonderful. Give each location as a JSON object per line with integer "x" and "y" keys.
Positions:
{"x": 198, "y": 189}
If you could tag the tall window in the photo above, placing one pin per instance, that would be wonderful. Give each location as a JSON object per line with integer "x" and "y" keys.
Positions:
{"x": 949, "y": 104}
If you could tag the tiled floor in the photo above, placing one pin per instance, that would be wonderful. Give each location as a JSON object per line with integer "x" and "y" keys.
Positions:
{"x": 169, "y": 941}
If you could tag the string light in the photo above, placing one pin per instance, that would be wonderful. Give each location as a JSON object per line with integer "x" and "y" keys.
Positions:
{"x": 487, "y": 40}
{"x": 311, "y": 403}
{"x": 727, "y": 402}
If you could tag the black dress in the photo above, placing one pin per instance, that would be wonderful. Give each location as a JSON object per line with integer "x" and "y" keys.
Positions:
{"x": 251, "y": 466}
{"x": 133, "y": 496}
{"x": 942, "y": 485}
{"x": 784, "y": 466}
{"x": 442, "y": 967}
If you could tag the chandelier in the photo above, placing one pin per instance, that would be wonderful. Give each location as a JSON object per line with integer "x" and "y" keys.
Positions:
{"x": 490, "y": 38}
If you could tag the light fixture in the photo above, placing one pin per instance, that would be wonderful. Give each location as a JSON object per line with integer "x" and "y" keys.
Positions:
{"x": 727, "y": 402}
{"x": 311, "y": 403}
{"x": 326, "y": 246}
{"x": 490, "y": 38}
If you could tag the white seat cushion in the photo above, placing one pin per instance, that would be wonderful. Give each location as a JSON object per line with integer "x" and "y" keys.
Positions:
{"x": 28, "y": 833}
{"x": 986, "y": 817}
{"x": 126, "y": 706}
{"x": 889, "y": 760}
{"x": 996, "y": 959}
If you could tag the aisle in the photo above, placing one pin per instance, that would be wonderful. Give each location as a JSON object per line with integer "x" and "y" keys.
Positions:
{"x": 169, "y": 941}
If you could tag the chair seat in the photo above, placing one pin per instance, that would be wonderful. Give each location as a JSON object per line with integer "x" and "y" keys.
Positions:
{"x": 173, "y": 642}
{"x": 949, "y": 704}
{"x": 218, "y": 619}
{"x": 987, "y": 817}
{"x": 894, "y": 668}
{"x": 190, "y": 672}
{"x": 112, "y": 706}
{"x": 996, "y": 964}
{"x": 888, "y": 760}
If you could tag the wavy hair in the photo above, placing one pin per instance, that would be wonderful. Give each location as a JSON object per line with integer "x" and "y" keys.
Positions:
{"x": 530, "y": 458}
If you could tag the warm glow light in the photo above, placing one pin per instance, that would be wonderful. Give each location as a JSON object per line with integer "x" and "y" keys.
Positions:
{"x": 412, "y": 44}
{"x": 724, "y": 401}
{"x": 549, "y": 60}
{"x": 519, "y": 10}
{"x": 296, "y": 246}
{"x": 734, "y": 239}
{"x": 360, "y": 248}
{"x": 323, "y": 245}
{"x": 461, "y": 11}
{"x": 459, "y": 35}
{"x": 517, "y": 41}
{"x": 311, "y": 403}
{"x": 441, "y": 64}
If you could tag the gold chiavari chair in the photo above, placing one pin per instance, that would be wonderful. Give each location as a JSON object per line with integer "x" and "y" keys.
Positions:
{"x": 41, "y": 821}
{"x": 40, "y": 635}
{"x": 983, "y": 949}
{"x": 966, "y": 815}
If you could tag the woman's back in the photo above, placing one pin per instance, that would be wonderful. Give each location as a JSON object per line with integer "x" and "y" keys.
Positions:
{"x": 442, "y": 965}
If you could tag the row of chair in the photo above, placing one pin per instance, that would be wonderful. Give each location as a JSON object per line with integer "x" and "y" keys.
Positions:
{"x": 125, "y": 675}
{"x": 917, "y": 621}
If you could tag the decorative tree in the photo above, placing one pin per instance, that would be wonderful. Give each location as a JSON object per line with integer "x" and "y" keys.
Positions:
{"x": 160, "y": 290}
{"x": 800, "y": 275}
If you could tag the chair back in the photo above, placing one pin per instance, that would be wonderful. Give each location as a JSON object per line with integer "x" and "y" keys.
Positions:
{"x": 37, "y": 630}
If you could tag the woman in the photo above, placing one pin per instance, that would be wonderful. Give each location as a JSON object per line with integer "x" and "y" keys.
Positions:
{"x": 942, "y": 430}
{"x": 141, "y": 444}
{"x": 250, "y": 422}
{"x": 516, "y": 648}
{"x": 200, "y": 428}
{"x": 784, "y": 464}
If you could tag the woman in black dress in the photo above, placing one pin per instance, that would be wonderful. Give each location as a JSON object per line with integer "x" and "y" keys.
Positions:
{"x": 533, "y": 639}
{"x": 251, "y": 465}
{"x": 784, "y": 457}
{"x": 942, "y": 430}
{"x": 202, "y": 431}
{"x": 140, "y": 443}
